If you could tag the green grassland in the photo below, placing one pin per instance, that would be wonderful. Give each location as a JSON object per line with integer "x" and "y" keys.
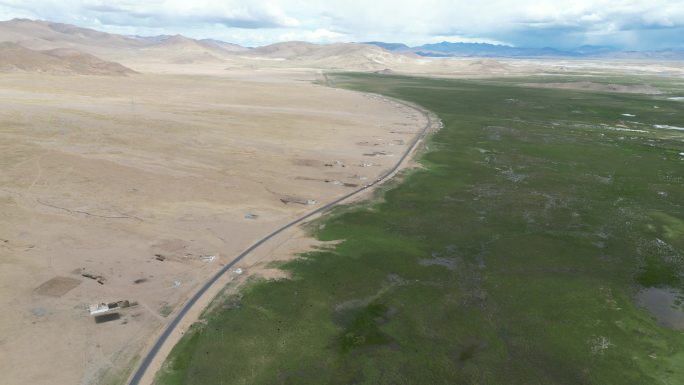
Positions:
{"x": 512, "y": 257}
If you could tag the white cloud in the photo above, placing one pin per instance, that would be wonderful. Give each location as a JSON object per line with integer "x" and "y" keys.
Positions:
{"x": 231, "y": 13}
{"x": 320, "y": 35}
{"x": 519, "y": 22}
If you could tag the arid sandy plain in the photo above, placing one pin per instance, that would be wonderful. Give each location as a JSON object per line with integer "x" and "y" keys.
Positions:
{"x": 100, "y": 174}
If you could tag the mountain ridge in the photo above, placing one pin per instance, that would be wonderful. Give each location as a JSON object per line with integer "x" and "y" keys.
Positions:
{"x": 44, "y": 35}
{"x": 460, "y": 49}
{"x": 58, "y": 61}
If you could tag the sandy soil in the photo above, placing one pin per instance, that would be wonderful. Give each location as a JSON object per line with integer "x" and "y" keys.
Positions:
{"x": 100, "y": 174}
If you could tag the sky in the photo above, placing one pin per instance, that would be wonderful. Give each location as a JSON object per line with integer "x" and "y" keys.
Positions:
{"x": 562, "y": 24}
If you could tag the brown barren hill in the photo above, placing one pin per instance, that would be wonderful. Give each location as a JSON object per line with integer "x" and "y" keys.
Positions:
{"x": 179, "y": 49}
{"x": 225, "y": 46}
{"x": 131, "y": 50}
{"x": 41, "y": 35}
{"x": 59, "y": 61}
{"x": 285, "y": 50}
{"x": 351, "y": 56}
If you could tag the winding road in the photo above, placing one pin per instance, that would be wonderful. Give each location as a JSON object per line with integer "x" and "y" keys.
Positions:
{"x": 152, "y": 353}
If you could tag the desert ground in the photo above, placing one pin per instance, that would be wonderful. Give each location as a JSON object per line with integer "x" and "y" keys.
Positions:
{"x": 103, "y": 174}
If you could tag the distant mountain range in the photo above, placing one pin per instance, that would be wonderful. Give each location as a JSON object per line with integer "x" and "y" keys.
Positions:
{"x": 447, "y": 49}
{"x": 56, "y": 48}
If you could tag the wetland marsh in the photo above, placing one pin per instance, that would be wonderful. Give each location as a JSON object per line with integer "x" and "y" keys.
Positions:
{"x": 520, "y": 253}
